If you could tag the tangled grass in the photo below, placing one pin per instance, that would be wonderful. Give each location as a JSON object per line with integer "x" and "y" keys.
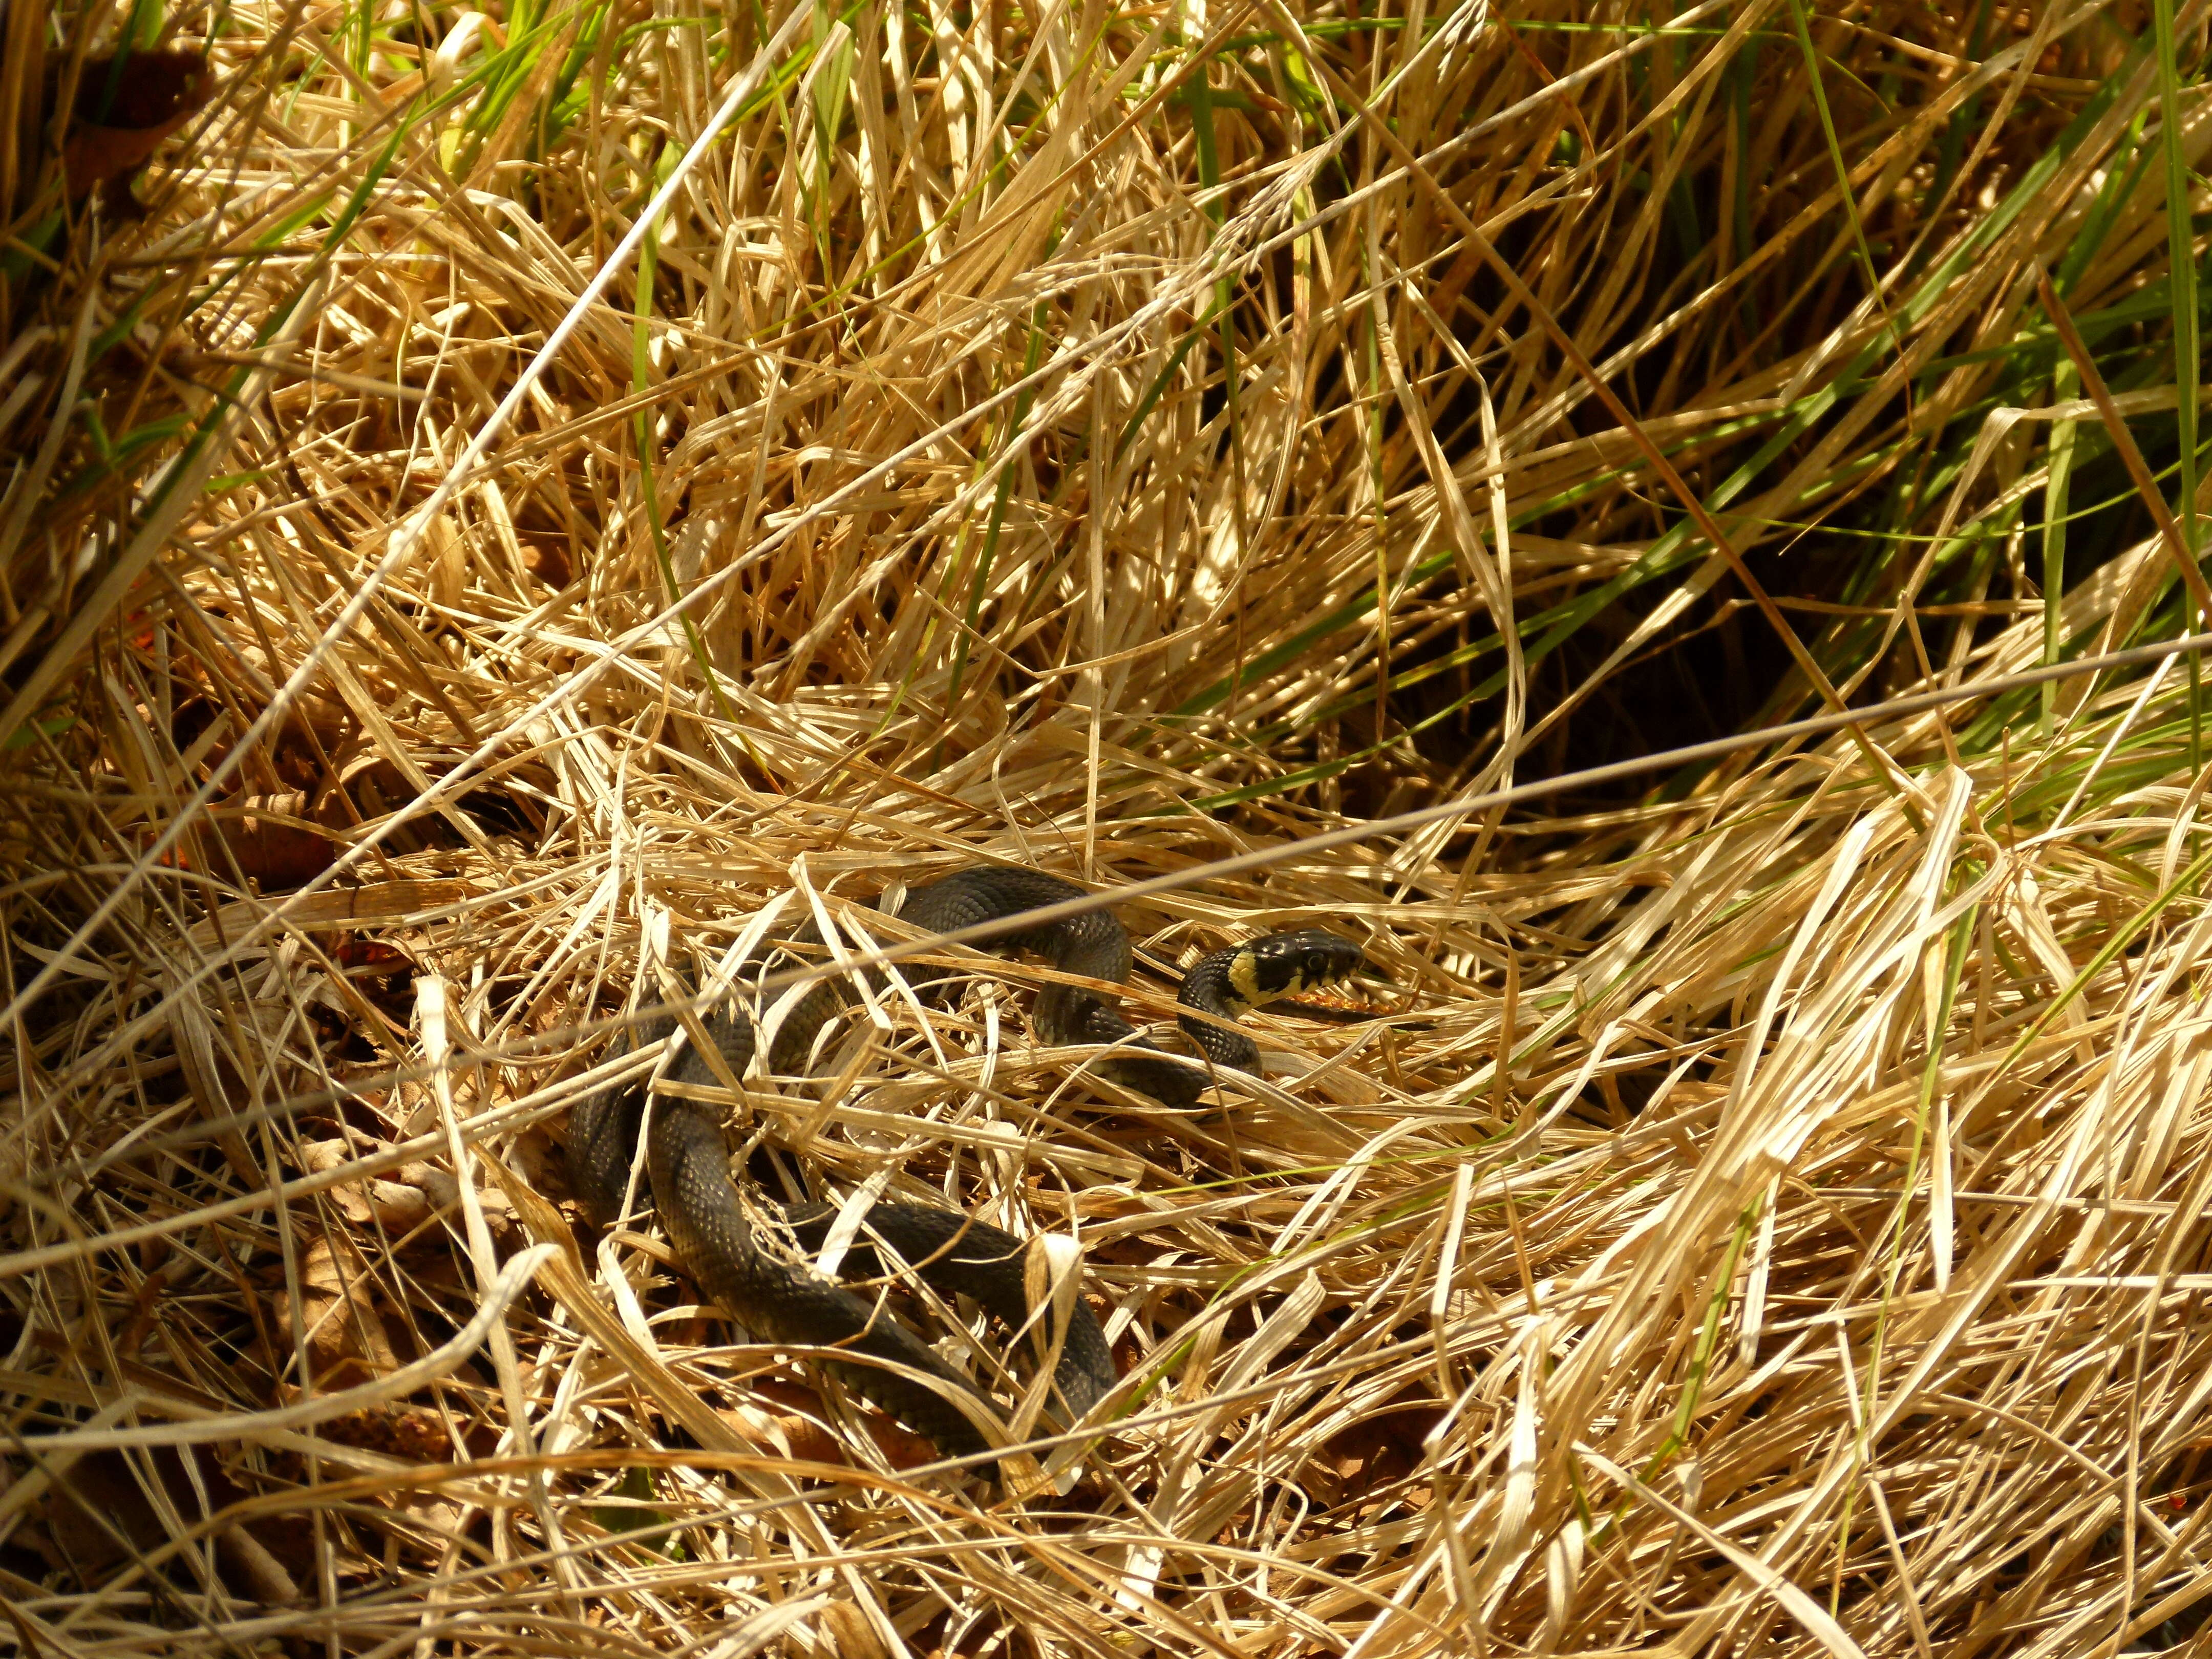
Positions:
{"x": 546, "y": 490}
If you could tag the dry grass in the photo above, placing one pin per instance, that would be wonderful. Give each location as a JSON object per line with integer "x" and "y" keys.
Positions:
{"x": 1768, "y": 1217}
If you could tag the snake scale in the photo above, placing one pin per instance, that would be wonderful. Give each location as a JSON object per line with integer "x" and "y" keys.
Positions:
{"x": 688, "y": 1164}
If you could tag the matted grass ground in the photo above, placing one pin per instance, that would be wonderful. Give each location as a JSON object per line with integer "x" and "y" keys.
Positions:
{"x": 1765, "y": 1215}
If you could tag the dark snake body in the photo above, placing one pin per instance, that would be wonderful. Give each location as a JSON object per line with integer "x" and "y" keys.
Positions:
{"x": 689, "y": 1166}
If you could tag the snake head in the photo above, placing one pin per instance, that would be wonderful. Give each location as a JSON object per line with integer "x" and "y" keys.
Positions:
{"x": 1283, "y": 964}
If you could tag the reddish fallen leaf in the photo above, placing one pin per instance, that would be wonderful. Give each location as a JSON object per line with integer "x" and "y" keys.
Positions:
{"x": 274, "y": 843}
{"x": 110, "y": 137}
{"x": 279, "y": 857}
{"x": 358, "y": 952}
{"x": 798, "y": 1427}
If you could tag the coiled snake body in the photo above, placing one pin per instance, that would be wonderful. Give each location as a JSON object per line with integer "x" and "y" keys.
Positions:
{"x": 689, "y": 1165}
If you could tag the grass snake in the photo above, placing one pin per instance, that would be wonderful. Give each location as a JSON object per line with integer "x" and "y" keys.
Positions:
{"x": 688, "y": 1164}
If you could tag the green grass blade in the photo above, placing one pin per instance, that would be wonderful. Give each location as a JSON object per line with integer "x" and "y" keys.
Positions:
{"x": 2181, "y": 262}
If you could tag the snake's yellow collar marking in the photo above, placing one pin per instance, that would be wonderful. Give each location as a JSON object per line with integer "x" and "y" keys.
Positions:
{"x": 1244, "y": 975}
